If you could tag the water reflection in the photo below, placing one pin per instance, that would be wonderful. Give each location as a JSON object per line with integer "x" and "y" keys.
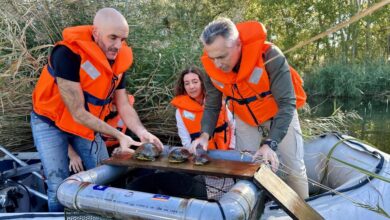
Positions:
{"x": 375, "y": 124}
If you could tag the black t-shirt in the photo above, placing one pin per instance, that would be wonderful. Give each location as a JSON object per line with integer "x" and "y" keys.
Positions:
{"x": 66, "y": 65}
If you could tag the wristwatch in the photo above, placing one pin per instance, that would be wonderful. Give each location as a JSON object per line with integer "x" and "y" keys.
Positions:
{"x": 271, "y": 143}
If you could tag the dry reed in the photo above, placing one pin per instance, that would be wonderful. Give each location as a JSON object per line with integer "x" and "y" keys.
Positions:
{"x": 28, "y": 29}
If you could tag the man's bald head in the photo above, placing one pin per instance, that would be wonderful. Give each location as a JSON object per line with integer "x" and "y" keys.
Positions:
{"x": 110, "y": 28}
{"x": 108, "y": 17}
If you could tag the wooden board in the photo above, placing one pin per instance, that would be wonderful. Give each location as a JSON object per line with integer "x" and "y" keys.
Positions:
{"x": 287, "y": 198}
{"x": 221, "y": 168}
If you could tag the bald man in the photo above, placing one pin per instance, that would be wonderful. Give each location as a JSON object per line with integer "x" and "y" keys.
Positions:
{"x": 71, "y": 99}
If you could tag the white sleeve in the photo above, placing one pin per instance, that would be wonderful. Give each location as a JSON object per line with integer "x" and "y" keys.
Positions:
{"x": 232, "y": 126}
{"x": 182, "y": 130}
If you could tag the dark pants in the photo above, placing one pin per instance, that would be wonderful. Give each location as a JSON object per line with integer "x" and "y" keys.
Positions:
{"x": 169, "y": 183}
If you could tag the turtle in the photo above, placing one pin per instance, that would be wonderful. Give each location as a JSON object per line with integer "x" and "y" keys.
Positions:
{"x": 147, "y": 152}
{"x": 201, "y": 157}
{"x": 178, "y": 155}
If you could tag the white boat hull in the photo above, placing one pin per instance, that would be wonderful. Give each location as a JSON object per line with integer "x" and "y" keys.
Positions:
{"x": 347, "y": 205}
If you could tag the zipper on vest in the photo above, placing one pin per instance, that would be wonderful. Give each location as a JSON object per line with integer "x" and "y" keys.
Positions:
{"x": 110, "y": 92}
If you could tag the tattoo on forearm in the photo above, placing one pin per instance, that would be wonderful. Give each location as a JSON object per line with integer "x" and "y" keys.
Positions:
{"x": 72, "y": 95}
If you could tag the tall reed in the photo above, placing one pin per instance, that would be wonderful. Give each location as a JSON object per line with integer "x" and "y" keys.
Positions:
{"x": 370, "y": 79}
{"x": 162, "y": 46}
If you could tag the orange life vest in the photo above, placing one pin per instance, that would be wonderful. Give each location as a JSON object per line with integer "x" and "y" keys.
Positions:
{"x": 116, "y": 122}
{"x": 249, "y": 89}
{"x": 192, "y": 112}
{"x": 98, "y": 80}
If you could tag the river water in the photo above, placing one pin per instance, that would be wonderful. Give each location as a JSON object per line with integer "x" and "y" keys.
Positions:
{"x": 375, "y": 124}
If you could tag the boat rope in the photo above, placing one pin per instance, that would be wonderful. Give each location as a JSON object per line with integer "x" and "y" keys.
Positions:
{"x": 375, "y": 208}
{"x": 289, "y": 171}
{"x": 312, "y": 181}
{"x": 330, "y": 153}
{"x": 221, "y": 209}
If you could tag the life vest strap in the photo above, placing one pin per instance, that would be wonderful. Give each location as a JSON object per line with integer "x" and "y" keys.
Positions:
{"x": 94, "y": 100}
{"x": 51, "y": 71}
{"x": 89, "y": 98}
{"x": 221, "y": 128}
{"x": 111, "y": 115}
{"x": 246, "y": 101}
{"x": 194, "y": 135}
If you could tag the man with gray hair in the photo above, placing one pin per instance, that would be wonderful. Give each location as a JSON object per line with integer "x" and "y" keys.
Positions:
{"x": 262, "y": 90}
{"x": 71, "y": 99}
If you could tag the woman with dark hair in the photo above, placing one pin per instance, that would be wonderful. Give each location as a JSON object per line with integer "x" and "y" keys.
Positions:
{"x": 189, "y": 98}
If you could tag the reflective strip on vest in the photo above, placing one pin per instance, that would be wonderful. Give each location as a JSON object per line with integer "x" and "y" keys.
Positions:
{"x": 189, "y": 115}
{"x": 90, "y": 69}
{"x": 218, "y": 83}
{"x": 256, "y": 75}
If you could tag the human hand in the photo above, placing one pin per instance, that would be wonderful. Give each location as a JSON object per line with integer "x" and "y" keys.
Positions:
{"x": 124, "y": 145}
{"x": 202, "y": 140}
{"x": 266, "y": 155}
{"x": 75, "y": 163}
{"x": 147, "y": 137}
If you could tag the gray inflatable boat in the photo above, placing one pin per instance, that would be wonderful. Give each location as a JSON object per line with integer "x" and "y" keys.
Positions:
{"x": 344, "y": 191}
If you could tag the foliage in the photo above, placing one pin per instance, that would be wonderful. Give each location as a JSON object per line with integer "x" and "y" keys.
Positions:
{"x": 290, "y": 22}
{"x": 368, "y": 79}
{"x": 164, "y": 37}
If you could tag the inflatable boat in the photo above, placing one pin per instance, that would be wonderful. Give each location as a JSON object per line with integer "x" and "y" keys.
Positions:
{"x": 338, "y": 190}
{"x": 345, "y": 192}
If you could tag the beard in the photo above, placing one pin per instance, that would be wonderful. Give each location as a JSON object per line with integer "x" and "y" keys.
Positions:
{"x": 113, "y": 49}
{"x": 109, "y": 51}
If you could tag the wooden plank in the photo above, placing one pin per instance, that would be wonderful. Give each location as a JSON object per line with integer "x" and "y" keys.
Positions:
{"x": 221, "y": 168}
{"x": 287, "y": 198}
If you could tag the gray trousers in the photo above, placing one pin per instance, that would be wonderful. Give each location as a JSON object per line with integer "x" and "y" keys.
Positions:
{"x": 290, "y": 151}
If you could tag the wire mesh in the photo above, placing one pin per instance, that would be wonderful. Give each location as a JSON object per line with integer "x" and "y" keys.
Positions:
{"x": 71, "y": 214}
{"x": 217, "y": 186}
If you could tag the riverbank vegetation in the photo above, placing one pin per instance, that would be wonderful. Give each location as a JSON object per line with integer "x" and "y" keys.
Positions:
{"x": 367, "y": 79}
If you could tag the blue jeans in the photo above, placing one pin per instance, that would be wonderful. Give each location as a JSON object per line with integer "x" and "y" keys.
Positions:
{"x": 52, "y": 145}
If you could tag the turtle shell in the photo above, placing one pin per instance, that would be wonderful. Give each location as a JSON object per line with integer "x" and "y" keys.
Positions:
{"x": 178, "y": 155}
{"x": 201, "y": 157}
{"x": 147, "y": 152}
